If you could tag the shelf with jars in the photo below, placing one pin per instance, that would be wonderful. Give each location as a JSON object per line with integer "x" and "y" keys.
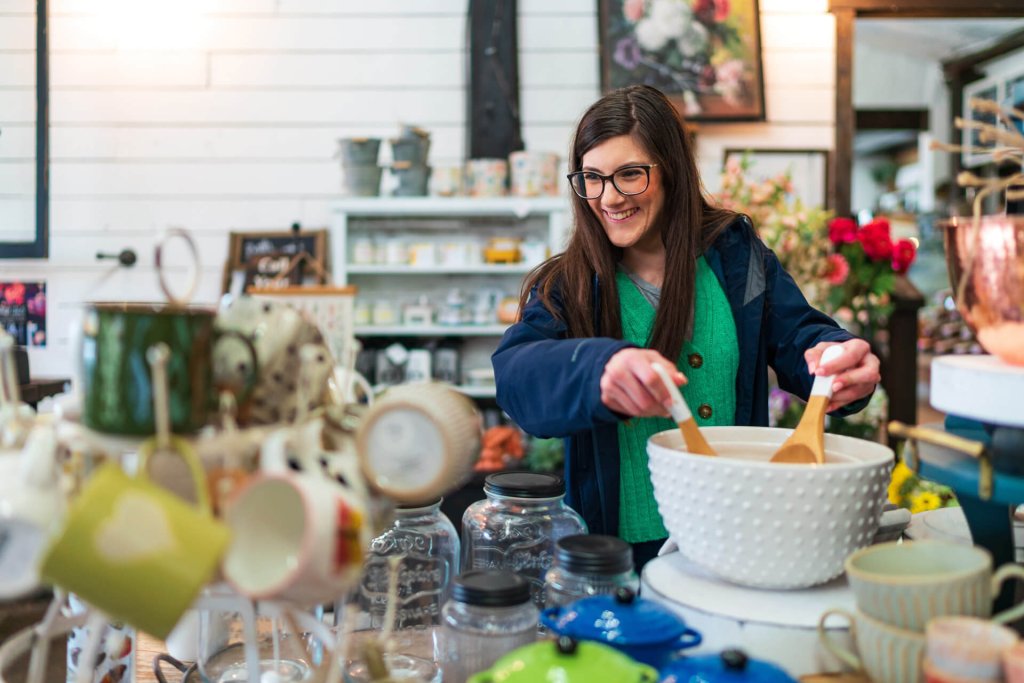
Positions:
{"x": 439, "y": 279}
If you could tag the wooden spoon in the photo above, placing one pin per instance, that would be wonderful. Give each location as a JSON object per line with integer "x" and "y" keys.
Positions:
{"x": 806, "y": 444}
{"x": 695, "y": 442}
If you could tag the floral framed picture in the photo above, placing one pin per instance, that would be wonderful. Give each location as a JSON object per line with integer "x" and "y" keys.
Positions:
{"x": 704, "y": 54}
{"x": 807, "y": 170}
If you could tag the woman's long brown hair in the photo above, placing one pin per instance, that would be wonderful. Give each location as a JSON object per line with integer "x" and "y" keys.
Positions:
{"x": 689, "y": 223}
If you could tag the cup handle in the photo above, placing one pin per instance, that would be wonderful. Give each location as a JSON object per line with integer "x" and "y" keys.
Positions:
{"x": 549, "y": 617}
{"x": 253, "y": 376}
{"x": 690, "y": 638}
{"x": 193, "y": 282}
{"x": 158, "y": 671}
{"x": 195, "y": 467}
{"x": 1007, "y": 571}
{"x": 841, "y": 653}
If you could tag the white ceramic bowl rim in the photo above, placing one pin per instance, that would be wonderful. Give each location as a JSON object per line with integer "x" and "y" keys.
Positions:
{"x": 863, "y": 453}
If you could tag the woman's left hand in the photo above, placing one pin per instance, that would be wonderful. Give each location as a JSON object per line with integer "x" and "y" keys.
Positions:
{"x": 855, "y": 370}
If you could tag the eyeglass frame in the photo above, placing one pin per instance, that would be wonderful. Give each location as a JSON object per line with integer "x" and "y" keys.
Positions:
{"x": 611, "y": 176}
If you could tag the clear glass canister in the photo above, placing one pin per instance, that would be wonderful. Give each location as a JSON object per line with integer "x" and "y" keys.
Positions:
{"x": 588, "y": 565}
{"x": 489, "y": 614}
{"x": 428, "y": 545}
{"x": 517, "y": 525}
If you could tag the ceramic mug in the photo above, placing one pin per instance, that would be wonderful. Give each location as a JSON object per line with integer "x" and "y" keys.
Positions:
{"x": 884, "y": 653}
{"x": 117, "y": 386}
{"x": 1013, "y": 664}
{"x": 278, "y": 333}
{"x": 33, "y": 507}
{"x": 296, "y": 536}
{"x": 908, "y": 584}
{"x": 967, "y": 647}
{"x": 134, "y": 550}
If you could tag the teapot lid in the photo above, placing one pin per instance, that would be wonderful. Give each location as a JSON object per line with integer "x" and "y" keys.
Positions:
{"x": 566, "y": 660}
{"x": 623, "y": 619}
{"x": 731, "y": 666}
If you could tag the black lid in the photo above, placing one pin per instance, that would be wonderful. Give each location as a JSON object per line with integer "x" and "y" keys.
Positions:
{"x": 524, "y": 485}
{"x": 594, "y": 554}
{"x": 490, "y": 588}
{"x": 419, "y": 506}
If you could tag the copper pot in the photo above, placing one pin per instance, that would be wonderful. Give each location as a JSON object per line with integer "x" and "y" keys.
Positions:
{"x": 985, "y": 258}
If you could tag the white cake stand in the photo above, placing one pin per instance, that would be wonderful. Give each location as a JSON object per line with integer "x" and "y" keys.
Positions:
{"x": 982, "y": 388}
{"x": 776, "y": 626}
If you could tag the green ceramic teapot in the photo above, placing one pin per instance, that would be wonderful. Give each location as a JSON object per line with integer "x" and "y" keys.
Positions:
{"x": 567, "y": 661}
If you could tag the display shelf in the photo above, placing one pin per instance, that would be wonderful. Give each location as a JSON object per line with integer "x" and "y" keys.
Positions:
{"x": 473, "y": 391}
{"x": 430, "y": 330}
{"x": 479, "y": 269}
{"x": 442, "y": 206}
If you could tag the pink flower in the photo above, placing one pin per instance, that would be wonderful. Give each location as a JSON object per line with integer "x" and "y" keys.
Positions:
{"x": 903, "y": 254}
{"x": 842, "y": 230}
{"x": 633, "y": 10}
{"x": 836, "y": 269}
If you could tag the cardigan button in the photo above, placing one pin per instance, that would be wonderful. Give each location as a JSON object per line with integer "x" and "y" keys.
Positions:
{"x": 696, "y": 360}
{"x": 704, "y": 411}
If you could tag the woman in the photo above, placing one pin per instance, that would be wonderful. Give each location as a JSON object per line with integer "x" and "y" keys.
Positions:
{"x": 653, "y": 273}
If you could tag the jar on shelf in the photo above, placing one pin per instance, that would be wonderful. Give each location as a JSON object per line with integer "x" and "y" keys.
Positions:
{"x": 427, "y": 544}
{"x": 517, "y": 525}
{"x": 489, "y": 614}
{"x": 587, "y": 565}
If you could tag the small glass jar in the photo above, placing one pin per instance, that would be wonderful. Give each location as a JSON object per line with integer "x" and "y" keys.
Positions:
{"x": 517, "y": 525}
{"x": 489, "y": 614}
{"x": 589, "y": 565}
{"x": 428, "y": 545}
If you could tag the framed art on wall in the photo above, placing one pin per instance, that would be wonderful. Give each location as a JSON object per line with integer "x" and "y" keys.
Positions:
{"x": 705, "y": 55}
{"x": 807, "y": 168}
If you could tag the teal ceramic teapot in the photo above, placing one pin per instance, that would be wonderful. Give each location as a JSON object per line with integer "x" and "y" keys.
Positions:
{"x": 567, "y": 661}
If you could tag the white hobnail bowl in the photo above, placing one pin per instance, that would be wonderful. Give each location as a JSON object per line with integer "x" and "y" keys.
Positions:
{"x": 762, "y": 524}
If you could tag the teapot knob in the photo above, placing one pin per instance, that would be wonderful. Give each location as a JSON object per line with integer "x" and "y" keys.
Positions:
{"x": 624, "y": 596}
{"x": 734, "y": 660}
{"x": 566, "y": 645}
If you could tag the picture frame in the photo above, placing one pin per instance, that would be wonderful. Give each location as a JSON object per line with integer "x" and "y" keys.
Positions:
{"x": 255, "y": 258}
{"x": 808, "y": 168}
{"x": 636, "y": 47}
{"x": 986, "y": 89}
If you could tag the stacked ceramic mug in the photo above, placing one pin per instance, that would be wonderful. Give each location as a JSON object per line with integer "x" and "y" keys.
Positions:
{"x": 924, "y": 613}
{"x": 409, "y": 166}
{"x": 360, "y": 172}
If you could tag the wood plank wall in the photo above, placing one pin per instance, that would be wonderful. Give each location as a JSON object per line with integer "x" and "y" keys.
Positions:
{"x": 231, "y": 120}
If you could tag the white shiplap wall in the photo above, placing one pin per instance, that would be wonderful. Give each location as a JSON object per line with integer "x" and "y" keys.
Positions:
{"x": 232, "y": 123}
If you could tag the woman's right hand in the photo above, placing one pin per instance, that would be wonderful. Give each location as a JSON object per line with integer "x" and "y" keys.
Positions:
{"x": 629, "y": 384}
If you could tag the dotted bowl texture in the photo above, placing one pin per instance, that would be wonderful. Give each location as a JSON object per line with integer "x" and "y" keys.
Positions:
{"x": 765, "y": 525}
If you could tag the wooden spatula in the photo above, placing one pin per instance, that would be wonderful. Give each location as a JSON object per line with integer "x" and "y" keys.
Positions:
{"x": 807, "y": 442}
{"x": 695, "y": 442}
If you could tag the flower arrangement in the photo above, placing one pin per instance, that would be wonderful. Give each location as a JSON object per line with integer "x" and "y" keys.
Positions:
{"x": 908, "y": 490}
{"x": 861, "y": 272}
{"x": 796, "y": 233}
{"x": 686, "y": 47}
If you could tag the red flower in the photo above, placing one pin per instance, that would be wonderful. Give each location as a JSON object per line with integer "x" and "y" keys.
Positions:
{"x": 903, "y": 254}
{"x": 842, "y": 230}
{"x": 876, "y": 240}
{"x": 15, "y": 294}
{"x": 836, "y": 269}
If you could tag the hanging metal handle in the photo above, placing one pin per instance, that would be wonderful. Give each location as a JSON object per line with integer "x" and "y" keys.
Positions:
{"x": 126, "y": 257}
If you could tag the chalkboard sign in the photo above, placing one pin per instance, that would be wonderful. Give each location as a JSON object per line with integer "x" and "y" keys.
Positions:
{"x": 256, "y": 258}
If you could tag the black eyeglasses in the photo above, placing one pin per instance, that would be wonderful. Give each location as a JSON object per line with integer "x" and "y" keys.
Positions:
{"x": 628, "y": 180}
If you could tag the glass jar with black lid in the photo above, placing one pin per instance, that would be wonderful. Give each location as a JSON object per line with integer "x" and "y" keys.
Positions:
{"x": 489, "y": 613}
{"x": 517, "y": 525}
{"x": 587, "y": 565}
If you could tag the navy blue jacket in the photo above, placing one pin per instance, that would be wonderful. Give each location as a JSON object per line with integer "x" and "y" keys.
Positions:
{"x": 550, "y": 384}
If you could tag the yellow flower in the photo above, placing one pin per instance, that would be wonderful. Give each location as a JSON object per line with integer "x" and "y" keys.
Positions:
{"x": 900, "y": 474}
{"x": 925, "y": 501}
